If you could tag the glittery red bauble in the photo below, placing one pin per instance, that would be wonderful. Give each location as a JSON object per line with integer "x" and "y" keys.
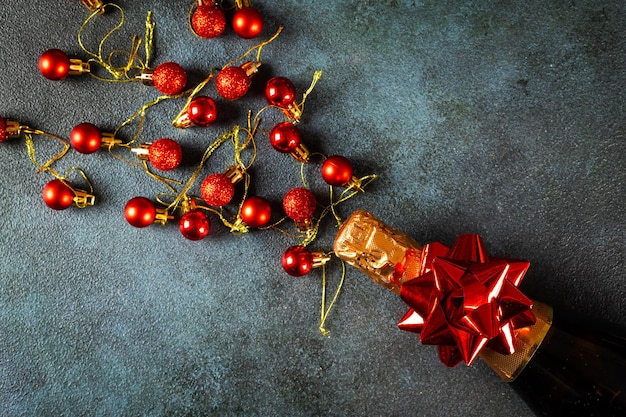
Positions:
{"x": 54, "y": 64}
{"x": 208, "y": 21}
{"x": 247, "y": 23}
{"x": 165, "y": 154}
{"x": 217, "y": 190}
{"x": 299, "y": 204}
{"x": 232, "y": 83}
{"x": 57, "y": 195}
{"x": 140, "y": 212}
{"x": 285, "y": 137}
{"x": 3, "y": 130}
{"x": 256, "y": 212}
{"x": 337, "y": 170}
{"x": 169, "y": 78}
{"x": 280, "y": 92}
{"x": 297, "y": 261}
{"x": 86, "y": 138}
{"x": 194, "y": 225}
{"x": 202, "y": 111}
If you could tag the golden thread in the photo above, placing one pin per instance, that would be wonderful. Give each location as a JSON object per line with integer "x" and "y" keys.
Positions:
{"x": 119, "y": 74}
{"x": 30, "y": 150}
{"x": 258, "y": 46}
{"x": 316, "y": 76}
{"x": 325, "y": 310}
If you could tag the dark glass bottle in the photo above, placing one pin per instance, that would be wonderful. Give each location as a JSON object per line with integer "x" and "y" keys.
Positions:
{"x": 575, "y": 372}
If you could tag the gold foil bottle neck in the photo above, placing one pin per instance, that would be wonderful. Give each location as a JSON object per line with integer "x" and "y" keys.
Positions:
{"x": 376, "y": 249}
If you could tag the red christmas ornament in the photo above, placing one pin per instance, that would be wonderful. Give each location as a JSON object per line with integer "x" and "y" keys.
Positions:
{"x": 87, "y": 138}
{"x": 233, "y": 82}
{"x": 9, "y": 129}
{"x": 165, "y": 154}
{"x": 55, "y": 65}
{"x": 285, "y": 137}
{"x": 208, "y": 20}
{"x": 280, "y": 92}
{"x": 202, "y": 111}
{"x": 169, "y": 78}
{"x": 297, "y": 261}
{"x": 256, "y": 212}
{"x": 337, "y": 170}
{"x": 299, "y": 204}
{"x": 217, "y": 190}
{"x": 194, "y": 225}
{"x": 140, "y": 212}
{"x": 58, "y": 195}
{"x": 247, "y": 22}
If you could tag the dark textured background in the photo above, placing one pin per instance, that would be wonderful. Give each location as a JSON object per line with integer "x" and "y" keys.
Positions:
{"x": 496, "y": 117}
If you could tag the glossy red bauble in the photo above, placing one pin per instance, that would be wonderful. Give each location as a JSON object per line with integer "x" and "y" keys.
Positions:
{"x": 280, "y": 92}
{"x": 208, "y": 21}
{"x": 202, "y": 111}
{"x": 140, "y": 212}
{"x": 285, "y": 137}
{"x": 337, "y": 170}
{"x": 54, "y": 64}
{"x": 169, "y": 78}
{"x": 86, "y": 138}
{"x": 217, "y": 190}
{"x": 247, "y": 23}
{"x": 232, "y": 83}
{"x": 299, "y": 204}
{"x": 256, "y": 212}
{"x": 57, "y": 195}
{"x": 165, "y": 154}
{"x": 4, "y": 135}
{"x": 297, "y": 261}
{"x": 194, "y": 225}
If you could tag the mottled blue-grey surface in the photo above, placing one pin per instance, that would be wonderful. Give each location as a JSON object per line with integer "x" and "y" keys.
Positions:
{"x": 496, "y": 117}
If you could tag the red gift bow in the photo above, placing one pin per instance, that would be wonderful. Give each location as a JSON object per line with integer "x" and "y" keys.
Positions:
{"x": 462, "y": 300}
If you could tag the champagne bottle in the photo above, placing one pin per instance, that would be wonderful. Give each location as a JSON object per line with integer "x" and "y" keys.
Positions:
{"x": 557, "y": 368}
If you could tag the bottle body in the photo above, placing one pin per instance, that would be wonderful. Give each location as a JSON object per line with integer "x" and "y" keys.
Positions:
{"x": 575, "y": 372}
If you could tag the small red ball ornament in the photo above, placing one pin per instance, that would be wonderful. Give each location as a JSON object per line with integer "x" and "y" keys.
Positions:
{"x": 247, "y": 23}
{"x": 54, "y": 64}
{"x": 169, "y": 78}
{"x": 194, "y": 225}
{"x": 337, "y": 170}
{"x": 208, "y": 21}
{"x": 232, "y": 83}
{"x": 285, "y": 137}
{"x": 58, "y": 195}
{"x": 280, "y": 92}
{"x": 202, "y": 111}
{"x": 217, "y": 190}
{"x": 299, "y": 204}
{"x": 165, "y": 154}
{"x": 140, "y": 212}
{"x": 256, "y": 212}
{"x": 86, "y": 138}
{"x": 297, "y": 261}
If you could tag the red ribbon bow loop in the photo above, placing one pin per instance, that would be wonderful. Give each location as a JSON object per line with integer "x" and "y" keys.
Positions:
{"x": 463, "y": 300}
